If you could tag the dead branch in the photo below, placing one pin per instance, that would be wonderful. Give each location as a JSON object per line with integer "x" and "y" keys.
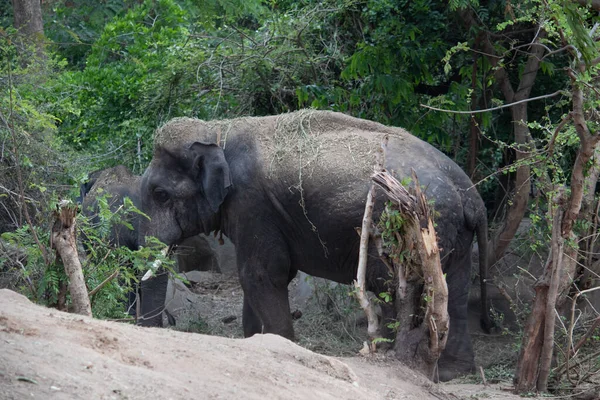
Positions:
{"x": 545, "y": 96}
{"x": 104, "y": 282}
{"x": 373, "y": 329}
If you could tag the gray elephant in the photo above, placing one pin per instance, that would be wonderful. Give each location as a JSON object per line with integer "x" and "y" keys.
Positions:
{"x": 290, "y": 190}
{"x": 117, "y": 183}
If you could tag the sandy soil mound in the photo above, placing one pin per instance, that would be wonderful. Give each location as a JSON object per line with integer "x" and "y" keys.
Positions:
{"x": 53, "y": 355}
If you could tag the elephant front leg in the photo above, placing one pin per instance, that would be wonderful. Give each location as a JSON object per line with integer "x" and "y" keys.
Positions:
{"x": 266, "y": 309}
{"x": 251, "y": 322}
{"x": 266, "y": 299}
{"x": 153, "y": 292}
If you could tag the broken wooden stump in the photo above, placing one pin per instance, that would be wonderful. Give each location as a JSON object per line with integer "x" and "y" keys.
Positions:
{"x": 422, "y": 314}
{"x": 65, "y": 243}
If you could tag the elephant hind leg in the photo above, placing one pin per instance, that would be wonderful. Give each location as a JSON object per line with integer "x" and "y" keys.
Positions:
{"x": 458, "y": 358}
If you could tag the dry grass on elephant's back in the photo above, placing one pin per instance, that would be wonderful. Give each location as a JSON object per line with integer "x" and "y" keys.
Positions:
{"x": 113, "y": 178}
{"x": 323, "y": 146}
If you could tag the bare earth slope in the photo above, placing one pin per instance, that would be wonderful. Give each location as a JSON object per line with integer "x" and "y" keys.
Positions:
{"x": 47, "y": 354}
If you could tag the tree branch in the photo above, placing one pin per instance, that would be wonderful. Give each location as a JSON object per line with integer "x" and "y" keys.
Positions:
{"x": 545, "y": 96}
{"x": 595, "y": 4}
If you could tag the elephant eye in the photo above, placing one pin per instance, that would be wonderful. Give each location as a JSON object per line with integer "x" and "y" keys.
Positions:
{"x": 161, "y": 196}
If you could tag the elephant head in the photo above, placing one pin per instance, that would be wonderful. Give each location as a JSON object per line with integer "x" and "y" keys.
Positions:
{"x": 182, "y": 191}
{"x": 195, "y": 253}
{"x": 117, "y": 183}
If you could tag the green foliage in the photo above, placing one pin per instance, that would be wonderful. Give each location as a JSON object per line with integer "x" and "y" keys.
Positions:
{"x": 393, "y": 222}
{"x": 402, "y": 42}
{"x": 74, "y": 25}
{"x": 382, "y": 340}
{"x": 386, "y": 297}
{"x": 31, "y": 279}
{"x": 117, "y": 106}
{"x": 103, "y": 258}
{"x": 31, "y": 158}
{"x": 42, "y": 282}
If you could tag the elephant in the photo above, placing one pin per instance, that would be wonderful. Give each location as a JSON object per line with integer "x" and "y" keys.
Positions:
{"x": 290, "y": 191}
{"x": 193, "y": 253}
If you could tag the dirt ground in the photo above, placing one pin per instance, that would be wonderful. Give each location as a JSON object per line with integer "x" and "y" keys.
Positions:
{"x": 52, "y": 355}
{"x": 48, "y": 354}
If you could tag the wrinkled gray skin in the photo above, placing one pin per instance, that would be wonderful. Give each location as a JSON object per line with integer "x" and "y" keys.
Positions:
{"x": 117, "y": 183}
{"x": 228, "y": 176}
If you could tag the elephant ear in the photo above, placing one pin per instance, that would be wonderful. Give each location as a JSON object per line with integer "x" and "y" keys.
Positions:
{"x": 212, "y": 172}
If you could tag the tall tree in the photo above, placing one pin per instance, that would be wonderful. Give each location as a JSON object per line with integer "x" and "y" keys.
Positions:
{"x": 28, "y": 21}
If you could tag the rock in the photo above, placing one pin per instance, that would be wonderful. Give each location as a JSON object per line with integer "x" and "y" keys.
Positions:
{"x": 197, "y": 276}
{"x": 229, "y": 319}
{"x": 179, "y": 297}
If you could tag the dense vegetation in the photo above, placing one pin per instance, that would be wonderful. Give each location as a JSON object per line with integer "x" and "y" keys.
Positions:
{"x": 105, "y": 74}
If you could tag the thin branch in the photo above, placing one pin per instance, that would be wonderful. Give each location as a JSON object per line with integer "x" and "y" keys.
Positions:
{"x": 21, "y": 187}
{"x": 559, "y": 128}
{"x": 104, "y": 282}
{"x": 495, "y": 108}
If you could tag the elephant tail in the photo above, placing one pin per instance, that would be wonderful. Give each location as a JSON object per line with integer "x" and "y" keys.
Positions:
{"x": 482, "y": 243}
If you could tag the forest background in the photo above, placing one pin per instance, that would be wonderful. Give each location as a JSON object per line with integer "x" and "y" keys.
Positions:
{"x": 509, "y": 90}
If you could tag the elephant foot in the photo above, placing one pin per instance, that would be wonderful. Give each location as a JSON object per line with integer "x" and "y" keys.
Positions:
{"x": 450, "y": 368}
{"x": 458, "y": 358}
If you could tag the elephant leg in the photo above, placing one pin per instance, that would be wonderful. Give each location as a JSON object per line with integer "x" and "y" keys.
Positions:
{"x": 379, "y": 280}
{"x": 153, "y": 292}
{"x": 251, "y": 322}
{"x": 458, "y": 358}
{"x": 264, "y": 275}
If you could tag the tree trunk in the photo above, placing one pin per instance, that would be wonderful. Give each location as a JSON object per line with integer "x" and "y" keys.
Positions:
{"x": 28, "y": 21}
{"x": 522, "y": 135}
{"x": 536, "y": 354}
{"x": 517, "y": 209}
{"x": 28, "y": 17}
{"x": 64, "y": 241}
{"x": 475, "y": 120}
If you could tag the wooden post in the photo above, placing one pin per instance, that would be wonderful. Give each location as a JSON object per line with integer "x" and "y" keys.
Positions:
{"x": 373, "y": 327}
{"x": 63, "y": 240}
